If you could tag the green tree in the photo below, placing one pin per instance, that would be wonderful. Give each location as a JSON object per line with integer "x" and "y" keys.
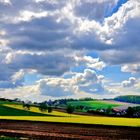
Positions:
{"x": 43, "y": 107}
{"x": 50, "y": 109}
{"x": 130, "y": 111}
{"x": 108, "y": 110}
{"x": 27, "y": 106}
{"x": 70, "y": 109}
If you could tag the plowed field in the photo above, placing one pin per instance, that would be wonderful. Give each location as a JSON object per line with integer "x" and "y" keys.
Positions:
{"x": 63, "y": 131}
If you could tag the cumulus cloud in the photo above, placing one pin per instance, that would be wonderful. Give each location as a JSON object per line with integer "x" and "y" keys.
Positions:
{"x": 93, "y": 9}
{"x": 89, "y": 82}
{"x": 18, "y": 77}
{"x": 5, "y": 1}
{"x": 54, "y": 64}
{"x": 55, "y": 87}
{"x": 38, "y": 27}
{"x": 133, "y": 68}
{"x": 47, "y": 64}
{"x": 29, "y": 15}
{"x": 116, "y": 57}
{"x": 90, "y": 62}
{"x": 86, "y": 82}
{"x": 37, "y": 34}
{"x": 24, "y": 93}
{"x": 65, "y": 27}
{"x": 15, "y": 65}
{"x": 130, "y": 82}
{"x": 123, "y": 28}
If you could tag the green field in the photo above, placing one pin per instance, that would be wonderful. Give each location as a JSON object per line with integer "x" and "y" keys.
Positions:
{"x": 8, "y": 111}
{"x": 34, "y": 114}
{"x": 98, "y": 104}
{"x": 36, "y": 110}
{"x": 7, "y": 102}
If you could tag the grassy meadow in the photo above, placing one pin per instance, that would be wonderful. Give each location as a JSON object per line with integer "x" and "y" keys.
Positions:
{"x": 97, "y": 104}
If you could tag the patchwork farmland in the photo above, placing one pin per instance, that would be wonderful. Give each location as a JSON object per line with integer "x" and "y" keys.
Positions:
{"x": 20, "y": 122}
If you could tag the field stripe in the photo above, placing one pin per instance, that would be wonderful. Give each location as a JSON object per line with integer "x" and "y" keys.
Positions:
{"x": 81, "y": 119}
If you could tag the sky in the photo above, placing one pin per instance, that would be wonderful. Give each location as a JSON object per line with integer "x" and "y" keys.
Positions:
{"x": 51, "y": 49}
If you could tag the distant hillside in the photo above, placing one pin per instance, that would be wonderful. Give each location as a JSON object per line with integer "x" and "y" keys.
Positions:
{"x": 129, "y": 99}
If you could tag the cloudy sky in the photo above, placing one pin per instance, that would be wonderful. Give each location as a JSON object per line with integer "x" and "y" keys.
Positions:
{"x": 69, "y": 48}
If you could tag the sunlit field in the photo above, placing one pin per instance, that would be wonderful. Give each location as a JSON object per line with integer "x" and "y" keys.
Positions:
{"x": 62, "y": 117}
{"x": 36, "y": 110}
{"x": 95, "y": 104}
{"x": 80, "y": 119}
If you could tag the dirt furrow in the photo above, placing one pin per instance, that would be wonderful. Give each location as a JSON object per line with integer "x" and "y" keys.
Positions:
{"x": 47, "y": 130}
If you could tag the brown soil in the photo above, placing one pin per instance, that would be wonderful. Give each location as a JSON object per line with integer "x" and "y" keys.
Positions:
{"x": 65, "y": 131}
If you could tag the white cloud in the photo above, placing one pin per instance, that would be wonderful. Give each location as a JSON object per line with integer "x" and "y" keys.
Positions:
{"x": 5, "y": 1}
{"x": 93, "y": 9}
{"x": 3, "y": 42}
{"x": 55, "y": 87}
{"x": 18, "y": 77}
{"x": 90, "y": 62}
{"x": 9, "y": 58}
{"x": 32, "y": 29}
{"x": 2, "y": 33}
{"x": 29, "y": 15}
{"x": 87, "y": 82}
{"x": 115, "y": 23}
{"x": 24, "y": 93}
{"x": 133, "y": 68}
{"x": 130, "y": 82}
